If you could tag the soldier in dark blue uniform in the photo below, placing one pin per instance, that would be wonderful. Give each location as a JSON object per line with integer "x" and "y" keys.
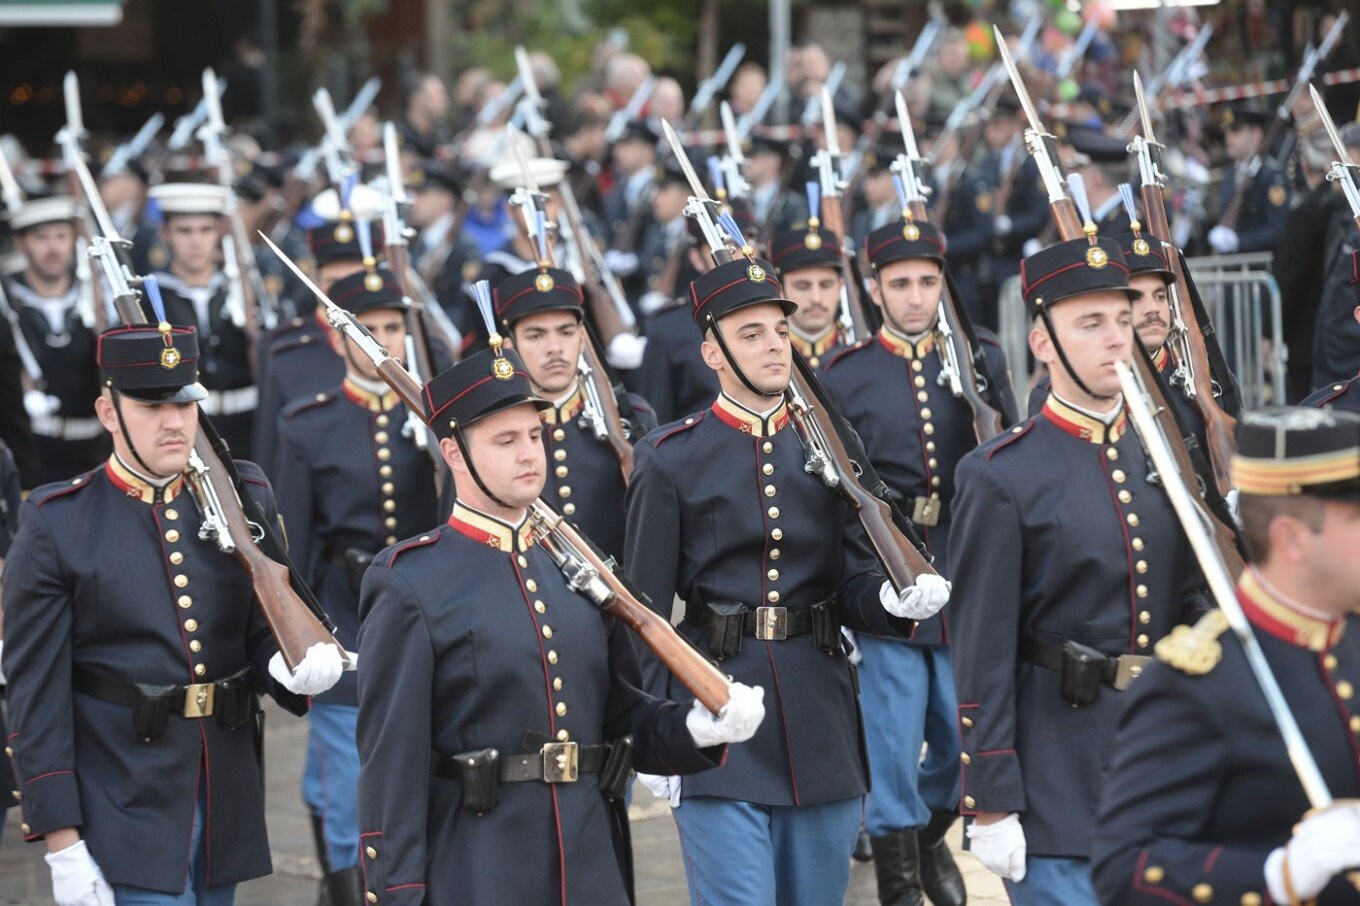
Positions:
{"x": 1012, "y": 192}
{"x": 1068, "y": 565}
{"x": 501, "y": 712}
{"x": 1202, "y": 802}
{"x": 198, "y": 294}
{"x": 770, "y": 564}
{"x": 135, "y": 655}
{"x": 542, "y": 314}
{"x": 350, "y": 481}
{"x": 915, "y": 431}
{"x": 443, "y": 257}
{"x": 9, "y": 517}
{"x": 1263, "y": 207}
{"x": 808, "y": 263}
{"x": 1342, "y": 394}
{"x": 776, "y": 209}
{"x": 48, "y": 305}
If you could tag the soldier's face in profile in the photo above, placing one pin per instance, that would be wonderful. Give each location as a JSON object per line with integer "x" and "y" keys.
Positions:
{"x": 49, "y": 248}
{"x": 550, "y": 344}
{"x": 163, "y": 433}
{"x": 1095, "y": 330}
{"x": 1151, "y": 310}
{"x": 909, "y": 294}
{"x": 758, "y": 338}
{"x": 817, "y": 290}
{"x": 507, "y": 449}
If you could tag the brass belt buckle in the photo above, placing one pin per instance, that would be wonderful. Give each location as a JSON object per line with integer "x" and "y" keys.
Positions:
{"x": 1130, "y": 667}
{"x": 561, "y": 762}
{"x": 926, "y": 511}
{"x": 199, "y": 698}
{"x": 772, "y": 624}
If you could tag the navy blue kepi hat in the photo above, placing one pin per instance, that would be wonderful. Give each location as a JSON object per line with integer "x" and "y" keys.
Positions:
{"x": 368, "y": 291}
{"x": 1073, "y": 268}
{"x": 1144, "y": 257}
{"x": 1287, "y": 451}
{"x": 336, "y": 241}
{"x": 476, "y": 387}
{"x": 737, "y": 284}
{"x": 813, "y": 247}
{"x": 550, "y": 289}
{"x": 154, "y": 365}
{"x": 900, "y": 240}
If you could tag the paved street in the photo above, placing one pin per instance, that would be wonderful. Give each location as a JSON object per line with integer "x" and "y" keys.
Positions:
{"x": 24, "y": 879}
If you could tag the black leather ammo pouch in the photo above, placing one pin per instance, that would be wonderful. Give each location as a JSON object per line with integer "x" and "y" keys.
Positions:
{"x": 617, "y": 767}
{"x": 478, "y": 773}
{"x": 826, "y": 628}
{"x": 1083, "y": 669}
{"x": 726, "y": 621}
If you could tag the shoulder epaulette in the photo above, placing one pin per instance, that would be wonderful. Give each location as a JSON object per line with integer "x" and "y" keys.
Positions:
{"x": 49, "y": 492}
{"x": 1194, "y": 650}
{"x": 1005, "y": 440}
{"x": 251, "y": 473}
{"x": 665, "y": 432}
{"x": 288, "y": 344}
{"x": 389, "y": 557}
{"x": 315, "y": 401}
{"x": 845, "y": 351}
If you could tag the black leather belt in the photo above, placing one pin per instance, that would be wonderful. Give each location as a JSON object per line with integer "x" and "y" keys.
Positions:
{"x": 196, "y": 700}
{"x": 765, "y": 623}
{"x": 1118, "y": 671}
{"x": 549, "y": 764}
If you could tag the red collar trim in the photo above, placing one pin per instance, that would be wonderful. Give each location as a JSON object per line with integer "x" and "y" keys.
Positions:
{"x": 1275, "y": 616}
{"x": 489, "y": 530}
{"x": 135, "y": 487}
{"x": 818, "y": 347}
{"x": 1083, "y": 426}
{"x": 367, "y": 399}
{"x": 570, "y": 408}
{"x": 735, "y": 415}
{"x": 901, "y": 346}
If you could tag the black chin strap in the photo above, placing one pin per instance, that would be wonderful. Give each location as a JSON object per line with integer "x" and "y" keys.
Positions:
{"x": 127, "y": 436}
{"x": 1067, "y": 366}
{"x": 736, "y": 369}
{"x": 472, "y": 469}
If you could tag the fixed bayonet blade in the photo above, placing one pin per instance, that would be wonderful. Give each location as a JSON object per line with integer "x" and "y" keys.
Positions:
{"x": 695, "y": 186}
{"x": 833, "y": 144}
{"x": 10, "y": 192}
{"x": 526, "y": 76}
{"x": 908, "y": 134}
{"x": 213, "y": 98}
{"x": 1143, "y": 111}
{"x": 1030, "y": 112}
{"x": 75, "y": 119}
{"x": 729, "y": 124}
{"x": 395, "y": 184}
{"x": 360, "y": 103}
{"x": 1342, "y": 154}
{"x": 513, "y": 136}
{"x": 325, "y": 109}
{"x": 721, "y": 76}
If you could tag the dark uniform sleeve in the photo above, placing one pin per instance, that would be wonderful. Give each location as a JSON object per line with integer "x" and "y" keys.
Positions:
{"x": 37, "y": 654}
{"x": 999, "y": 373}
{"x": 985, "y": 610}
{"x": 1271, "y": 198}
{"x": 293, "y": 481}
{"x": 857, "y": 601}
{"x": 14, "y": 424}
{"x": 1028, "y": 205}
{"x": 1150, "y": 845}
{"x": 394, "y": 737}
{"x": 9, "y": 500}
{"x": 651, "y": 545}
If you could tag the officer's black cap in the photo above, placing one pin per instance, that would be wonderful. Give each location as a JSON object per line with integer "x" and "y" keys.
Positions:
{"x": 813, "y": 247}
{"x": 737, "y": 284}
{"x": 671, "y": 175}
{"x": 899, "y": 240}
{"x": 1098, "y": 147}
{"x": 151, "y": 364}
{"x": 1288, "y": 451}
{"x": 1008, "y": 103}
{"x": 638, "y": 131}
{"x": 333, "y": 242}
{"x": 763, "y": 141}
{"x": 879, "y": 157}
{"x": 368, "y": 291}
{"x": 1144, "y": 256}
{"x": 432, "y": 175}
{"x": 1244, "y": 114}
{"x": 1073, "y": 268}
{"x": 478, "y": 386}
{"x": 533, "y": 291}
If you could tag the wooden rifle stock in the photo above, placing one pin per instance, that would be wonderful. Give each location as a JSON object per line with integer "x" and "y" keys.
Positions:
{"x": 615, "y": 435}
{"x": 1218, "y": 424}
{"x": 834, "y": 220}
{"x": 689, "y": 666}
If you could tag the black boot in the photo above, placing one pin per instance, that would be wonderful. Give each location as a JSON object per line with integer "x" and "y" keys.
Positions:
{"x": 940, "y": 877}
{"x": 346, "y": 887}
{"x": 897, "y": 864}
{"x": 323, "y": 896}
{"x": 863, "y": 850}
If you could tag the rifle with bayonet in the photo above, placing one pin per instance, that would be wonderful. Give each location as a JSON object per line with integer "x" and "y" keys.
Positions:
{"x": 188, "y": 125}
{"x": 32, "y": 377}
{"x": 756, "y": 115}
{"x": 833, "y": 451}
{"x": 630, "y": 111}
{"x": 709, "y": 87}
{"x": 855, "y": 318}
{"x": 253, "y": 306}
{"x": 134, "y": 147}
{"x": 587, "y": 570}
{"x": 1074, "y": 224}
{"x": 1192, "y": 337}
{"x": 962, "y": 363}
{"x": 90, "y": 303}
{"x": 1343, "y": 170}
{"x": 1283, "y": 115}
{"x": 1175, "y": 74}
{"x": 232, "y": 519}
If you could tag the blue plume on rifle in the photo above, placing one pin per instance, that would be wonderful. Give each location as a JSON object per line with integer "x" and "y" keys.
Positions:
{"x": 814, "y": 200}
{"x": 541, "y": 236}
{"x": 347, "y": 189}
{"x": 153, "y": 294}
{"x": 729, "y": 225}
{"x": 1076, "y": 187}
{"x": 715, "y": 175}
{"x": 900, "y": 188}
{"x": 481, "y": 292}
{"x": 365, "y": 232}
{"x": 1130, "y": 206}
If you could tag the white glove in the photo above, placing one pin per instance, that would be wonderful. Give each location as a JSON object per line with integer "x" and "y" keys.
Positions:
{"x": 663, "y": 786}
{"x": 1000, "y": 847}
{"x": 856, "y": 653}
{"x": 1223, "y": 240}
{"x": 1031, "y": 247}
{"x": 625, "y": 351}
{"x": 621, "y": 263}
{"x": 1002, "y": 225}
{"x": 736, "y": 722}
{"x": 653, "y": 301}
{"x": 1325, "y": 844}
{"x": 39, "y": 404}
{"x": 76, "y": 879}
{"x": 916, "y": 602}
{"x": 1230, "y": 499}
{"x": 320, "y": 669}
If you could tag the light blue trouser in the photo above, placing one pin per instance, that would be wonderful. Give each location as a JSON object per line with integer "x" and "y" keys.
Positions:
{"x": 330, "y": 780}
{"x": 1051, "y": 881}
{"x": 194, "y": 893}
{"x": 744, "y": 854}
{"x": 907, "y": 695}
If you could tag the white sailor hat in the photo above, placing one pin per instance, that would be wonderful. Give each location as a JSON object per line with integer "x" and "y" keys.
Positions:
{"x": 190, "y": 198}
{"x": 365, "y": 203}
{"x": 546, "y": 171}
{"x": 55, "y": 209}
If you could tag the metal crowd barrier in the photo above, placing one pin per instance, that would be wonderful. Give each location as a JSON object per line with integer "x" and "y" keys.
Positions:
{"x": 1244, "y": 304}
